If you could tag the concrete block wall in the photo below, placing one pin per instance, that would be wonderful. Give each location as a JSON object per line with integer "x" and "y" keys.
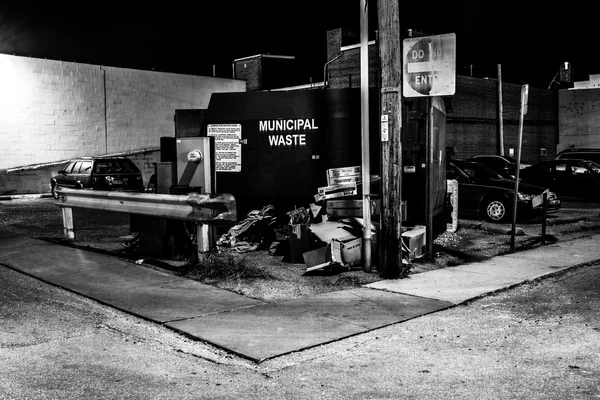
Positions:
{"x": 579, "y": 118}
{"x": 52, "y": 111}
{"x": 49, "y": 110}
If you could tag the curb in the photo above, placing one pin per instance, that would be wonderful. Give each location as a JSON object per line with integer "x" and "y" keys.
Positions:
{"x": 490, "y": 227}
{"x": 24, "y": 196}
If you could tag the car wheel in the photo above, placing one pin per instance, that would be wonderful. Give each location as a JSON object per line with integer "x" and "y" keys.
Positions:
{"x": 53, "y": 187}
{"x": 495, "y": 210}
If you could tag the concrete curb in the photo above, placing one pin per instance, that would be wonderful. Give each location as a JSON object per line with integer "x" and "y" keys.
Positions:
{"x": 24, "y": 196}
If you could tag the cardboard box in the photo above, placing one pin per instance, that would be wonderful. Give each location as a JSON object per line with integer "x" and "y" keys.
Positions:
{"x": 414, "y": 240}
{"x": 342, "y": 254}
{"x": 345, "y": 180}
{"x": 299, "y": 240}
{"x": 335, "y": 191}
{"x": 350, "y": 208}
{"x": 345, "y": 172}
{"x": 327, "y": 231}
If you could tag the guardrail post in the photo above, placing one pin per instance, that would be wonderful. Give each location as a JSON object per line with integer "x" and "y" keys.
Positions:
{"x": 68, "y": 228}
{"x": 206, "y": 236}
{"x": 544, "y": 214}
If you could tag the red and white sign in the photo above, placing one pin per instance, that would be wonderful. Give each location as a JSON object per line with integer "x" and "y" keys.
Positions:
{"x": 429, "y": 66}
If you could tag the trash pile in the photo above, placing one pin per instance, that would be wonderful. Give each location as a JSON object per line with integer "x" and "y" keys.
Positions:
{"x": 327, "y": 233}
{"x": 254, "y": 232}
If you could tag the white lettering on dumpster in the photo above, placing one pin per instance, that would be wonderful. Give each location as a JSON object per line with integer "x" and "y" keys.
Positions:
{"x": 277, "y": 130}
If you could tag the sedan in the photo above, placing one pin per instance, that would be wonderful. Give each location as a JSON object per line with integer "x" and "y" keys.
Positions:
{"x": 483, "y": 193}
{"x": 566, "y": 177}
{"x": 504, "y": 165}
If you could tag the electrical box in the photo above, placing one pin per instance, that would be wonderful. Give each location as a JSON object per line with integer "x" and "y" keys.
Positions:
{"x": 195, "y": 164}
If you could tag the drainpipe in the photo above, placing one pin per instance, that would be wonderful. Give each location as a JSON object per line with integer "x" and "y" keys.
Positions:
{"x": 105, "y": 112}
{"x": 325, "y": 68}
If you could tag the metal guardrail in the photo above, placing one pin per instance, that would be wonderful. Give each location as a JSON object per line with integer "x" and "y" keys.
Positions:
{"x": 203, "y": 209}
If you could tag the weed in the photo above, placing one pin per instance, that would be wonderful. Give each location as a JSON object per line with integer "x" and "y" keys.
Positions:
{"x": 224, "y": 266}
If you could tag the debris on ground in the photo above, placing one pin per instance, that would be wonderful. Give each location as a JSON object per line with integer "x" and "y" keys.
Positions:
{"x": 254, "y": 232}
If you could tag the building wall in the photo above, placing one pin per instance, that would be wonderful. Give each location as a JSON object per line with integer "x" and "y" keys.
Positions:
{"x": 344, "y": 71}
{"x": 250, "y": 71}
{"x": 579, "y": 118}
{"x": 267, "y": 71}
{"x": 51, "y": 111}
{"x": 473, "y": 125}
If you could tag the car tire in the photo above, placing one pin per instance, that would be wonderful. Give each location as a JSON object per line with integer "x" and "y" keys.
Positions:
{"x": 53, "y": 187}
{"x": 495, "y": 210}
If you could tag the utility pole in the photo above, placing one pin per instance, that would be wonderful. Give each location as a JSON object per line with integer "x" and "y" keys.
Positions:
{"x": 390, "y": 50}
{"x": 500, "y": 111}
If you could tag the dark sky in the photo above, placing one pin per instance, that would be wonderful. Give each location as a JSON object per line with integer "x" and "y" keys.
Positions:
{"x": 191, "y": 37}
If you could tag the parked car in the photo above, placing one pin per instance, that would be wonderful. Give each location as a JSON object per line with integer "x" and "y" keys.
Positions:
{"x": 110, "y": 173}
{"x": 579, "y": 154}
{"x": 567, "y": 177}
{"x": 483, "y": 193}
{"x": 504, "y": 165}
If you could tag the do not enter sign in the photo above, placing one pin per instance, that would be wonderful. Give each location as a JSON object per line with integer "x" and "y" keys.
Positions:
{"x": 429, "y": 66}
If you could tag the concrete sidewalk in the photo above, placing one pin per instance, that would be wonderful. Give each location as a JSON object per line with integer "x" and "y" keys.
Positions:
{"x": 259, "y": 330}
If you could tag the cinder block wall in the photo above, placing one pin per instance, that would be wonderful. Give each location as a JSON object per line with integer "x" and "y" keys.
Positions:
{"x": 51, "y": 111}
{"x": 579, "y": 118}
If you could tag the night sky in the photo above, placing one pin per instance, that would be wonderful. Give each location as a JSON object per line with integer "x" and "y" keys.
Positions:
{"x": 191, "y": 37}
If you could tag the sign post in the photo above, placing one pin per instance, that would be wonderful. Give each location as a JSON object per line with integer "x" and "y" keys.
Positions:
{"x": 429, "y": 70}
{"x": 524, "y": 99}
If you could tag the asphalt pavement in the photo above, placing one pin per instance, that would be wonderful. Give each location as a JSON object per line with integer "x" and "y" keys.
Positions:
{"x": 259, "y": 330}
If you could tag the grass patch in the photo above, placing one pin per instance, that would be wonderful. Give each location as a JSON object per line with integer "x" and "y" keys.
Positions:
{"x": 224, "y": 266}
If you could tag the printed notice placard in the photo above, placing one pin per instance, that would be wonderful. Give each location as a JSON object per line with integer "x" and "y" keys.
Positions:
{"x": 228, "y": 146}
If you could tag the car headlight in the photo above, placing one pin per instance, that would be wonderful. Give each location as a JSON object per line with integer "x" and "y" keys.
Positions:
{"x": 525, "y": 197}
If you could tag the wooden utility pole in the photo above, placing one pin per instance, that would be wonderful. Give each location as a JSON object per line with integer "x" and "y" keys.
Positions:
{"x": 390, "y": 50}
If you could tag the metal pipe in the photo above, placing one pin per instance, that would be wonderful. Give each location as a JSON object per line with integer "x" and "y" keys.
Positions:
{"x": 325, "y": 68}
{"x": 364, "y": 102}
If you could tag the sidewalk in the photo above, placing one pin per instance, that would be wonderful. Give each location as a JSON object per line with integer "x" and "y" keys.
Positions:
{"x": 259, "y": 330}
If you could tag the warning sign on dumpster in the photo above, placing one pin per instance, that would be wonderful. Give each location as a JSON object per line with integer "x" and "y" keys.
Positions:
{"x": 228, "y": 146}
